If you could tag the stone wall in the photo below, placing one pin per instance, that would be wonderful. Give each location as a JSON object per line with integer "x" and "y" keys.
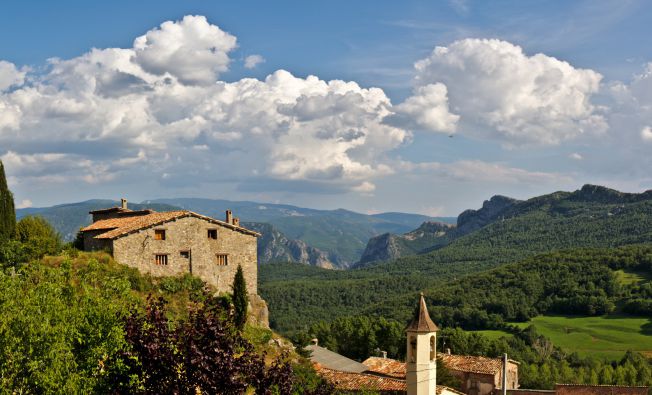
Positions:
{"x": 191, "y": 234}
{"x": 91, "y": 244}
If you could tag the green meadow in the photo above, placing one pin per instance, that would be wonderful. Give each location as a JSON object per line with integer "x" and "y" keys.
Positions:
{"x": 606, "y": 336}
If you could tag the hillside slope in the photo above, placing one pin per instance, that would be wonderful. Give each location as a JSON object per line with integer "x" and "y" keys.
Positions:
{"x": 433, "y": 235}
{"x": 590, "y": 217}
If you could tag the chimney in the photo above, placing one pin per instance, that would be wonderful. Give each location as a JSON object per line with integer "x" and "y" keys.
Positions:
{"x": 123, "y": 203}
{"x": 314, "y": 342}
{"x": 229, "y": 217}
{"x": 384, "y": 354}
{"x": 236, "y": 221}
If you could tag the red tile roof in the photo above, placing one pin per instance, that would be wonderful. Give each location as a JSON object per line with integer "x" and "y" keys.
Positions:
{"x": 577, "y": 389}
{"x": 387, "y": 366}
{"x": 121, "y": 226}
{"x": 348, "y": 381}
{"x": 472, "y": 364}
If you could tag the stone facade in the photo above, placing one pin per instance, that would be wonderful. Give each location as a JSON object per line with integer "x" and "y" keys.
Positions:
{"x": 189, "y": 250}
{"x": 177, "y": 242}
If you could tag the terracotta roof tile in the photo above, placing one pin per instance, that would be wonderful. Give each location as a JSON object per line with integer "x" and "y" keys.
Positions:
{"x": 116, "y": 227}
{"x": 472, "y": 364}
{"x": 348, "y": 381}
{"x": 387, "y": 366}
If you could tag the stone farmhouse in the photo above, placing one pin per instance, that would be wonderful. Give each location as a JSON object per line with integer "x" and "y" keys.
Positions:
{"x": 176, "y": 242}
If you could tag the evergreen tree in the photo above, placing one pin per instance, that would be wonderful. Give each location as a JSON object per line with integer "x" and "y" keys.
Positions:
{"x": 240, "y": 298}
{"x": 7, "y": 212}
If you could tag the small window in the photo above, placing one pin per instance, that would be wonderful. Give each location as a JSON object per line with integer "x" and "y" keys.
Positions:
{"x": 212, "y": 234}
{"x": 433, "y": 350}
{"x": 161, "y": 259}
{"x": 185, "y": 254}
{"x": 412, "y": 352}
{"x": 159, "y": 234}
{"x": 222, "y": 259}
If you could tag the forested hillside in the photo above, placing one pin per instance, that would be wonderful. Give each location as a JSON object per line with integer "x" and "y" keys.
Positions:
{"x": 590, "y": 217}
{"x": 593, "y": 216}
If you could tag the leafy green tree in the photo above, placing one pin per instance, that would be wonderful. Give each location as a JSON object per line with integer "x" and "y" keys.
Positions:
{"x": 7, "y": 211}
{"x": 38, "y": 237}
{"x": 240, "y": 298}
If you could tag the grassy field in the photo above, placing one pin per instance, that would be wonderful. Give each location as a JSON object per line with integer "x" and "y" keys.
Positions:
{"x": 629, "y": 277}
{"x": 493, "y": 334}
{"x": 608, "y": 336}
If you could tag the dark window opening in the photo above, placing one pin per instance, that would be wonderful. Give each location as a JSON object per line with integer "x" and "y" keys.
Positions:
{"x": 222, "y": 259}
{"x": 159, "y": 234}
{"x": 161, "y": 259}
{"x": 184, "y": 254}
{"x": 212, "y": 234}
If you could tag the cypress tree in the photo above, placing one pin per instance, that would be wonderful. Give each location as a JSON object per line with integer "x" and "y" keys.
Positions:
{"x": 240, "y": 298}
{"x": 7, "y": 211}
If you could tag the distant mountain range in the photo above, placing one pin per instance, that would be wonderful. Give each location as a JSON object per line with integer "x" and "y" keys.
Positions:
{"x": 595, "y": 211}
{"x": 325, "y": 238}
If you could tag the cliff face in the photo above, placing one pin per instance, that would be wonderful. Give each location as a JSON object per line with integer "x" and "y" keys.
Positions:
{"x": 390, "y": 246}
{"x": 491, "y": 210}
{"x": 274, "y": 246}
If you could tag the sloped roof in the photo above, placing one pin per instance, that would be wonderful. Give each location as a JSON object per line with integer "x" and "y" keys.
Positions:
{"x": 124, "y": 225}
{"x": 421, "y": 321}
{"x": 472, "y": 364}
{"x": 387, "y": 366}
{"x": 578, "y": 389}
{"x": 348, "y": 381}
{"x": 332, "y": 360}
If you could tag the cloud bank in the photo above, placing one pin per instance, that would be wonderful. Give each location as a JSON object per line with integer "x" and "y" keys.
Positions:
{"x": 160, "y": 111}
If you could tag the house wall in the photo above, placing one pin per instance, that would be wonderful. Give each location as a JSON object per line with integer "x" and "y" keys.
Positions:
{"x": 191, "y": 234}
{"x": 475, "y": 383}
{"x": 91, "y": 244}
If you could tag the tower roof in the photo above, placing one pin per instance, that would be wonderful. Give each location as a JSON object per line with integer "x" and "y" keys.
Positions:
{"x": 421, "y": 321}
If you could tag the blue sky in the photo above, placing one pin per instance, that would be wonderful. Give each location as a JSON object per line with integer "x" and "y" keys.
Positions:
{"x": 559, "y": 97}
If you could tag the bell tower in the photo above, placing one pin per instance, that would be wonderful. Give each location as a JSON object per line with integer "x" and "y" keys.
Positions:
{"x": 421, "y": 363}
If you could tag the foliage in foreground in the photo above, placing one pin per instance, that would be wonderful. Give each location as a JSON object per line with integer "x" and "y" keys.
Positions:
{"x": 204, "y": 353}
{"x": 70, "y": 324}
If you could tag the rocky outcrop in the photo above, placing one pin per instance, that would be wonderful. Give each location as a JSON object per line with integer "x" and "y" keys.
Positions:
{"x": 491, "y": 210}
{"x": 390, "y": 246}
{"x": 258, "y": 311}
{"x": 381, "y": 248}
{"x": 274, "y": 246}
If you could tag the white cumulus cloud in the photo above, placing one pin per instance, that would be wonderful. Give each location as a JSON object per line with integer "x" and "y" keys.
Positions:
{"x": 500, "y": 92}
{"x": 427, "y": 109}
{"x": 158, "y": 111}
{"x": 192, "y": 50}
{"x": 252, "y": 61}
{"x": 10, "y": 75}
